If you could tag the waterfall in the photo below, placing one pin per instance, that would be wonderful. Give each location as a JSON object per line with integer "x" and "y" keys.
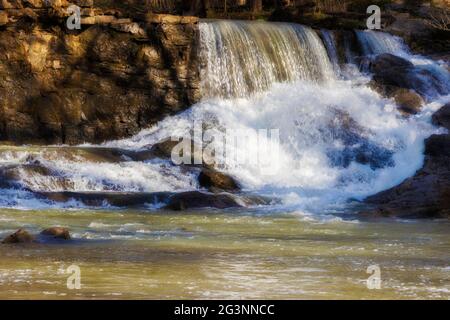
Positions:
{"x": 241, "y": 58}
{"x": 338, "y": 139}
{"x": 330, "y": 44}
{"x": 375, "y": 42}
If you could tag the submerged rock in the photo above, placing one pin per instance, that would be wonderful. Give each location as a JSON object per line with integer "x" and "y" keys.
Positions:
{"x": 22, "y": 176}
{"x": 215, "y": 180}
{"x": 356, "y": 143}
{"x": 57, "y": 233}
{"x": 20, "y": 236}
{"x": 189, "y": 153}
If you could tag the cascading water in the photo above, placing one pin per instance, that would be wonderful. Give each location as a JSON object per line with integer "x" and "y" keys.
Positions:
{"x": 375, "y": 42}
{"x": 242, "y": 58}
{"x": 338, "y": 139}
{"x": 330, "y": 44}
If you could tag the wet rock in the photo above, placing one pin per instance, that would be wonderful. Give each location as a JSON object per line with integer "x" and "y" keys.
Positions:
{"x": 386, "y": 61}
{"x": 163, "y": 149}
{"x": 187, "y": 151}
{"x": 389, "y": 70}
{"x": 442, "y": 117}
{"x": 116, "y": 199}
{"x": 57, "y": 233}
{"x": 426, "y": 194}
{"x": 196, "y": 200}
{"x": 109, "y": 155}
{"x": 20, "y": 236}
{"x": 215, "y": 180}
{"x": 438, "y": 146}
{"x": 21, "y": 176}
{"x": 408, "y": 101}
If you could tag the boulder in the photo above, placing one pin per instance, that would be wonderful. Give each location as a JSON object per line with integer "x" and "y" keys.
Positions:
{"x": 21, "y": 176}
{"x": 116, "y": 199}
{"x": 20, "y": 236}
{"x": 438, "y": 146}
{"x": 163, "y": 149}
{"x": 194, "y": 153}
{"x": 442, "y": 117}
{"x": 215, "y": 180}
{"x": 57, "y": 233}
{"x": 387, "y": 61}
{"x": 408, "y": 101}
{"x": 389, "y": 70}
{"x": 196, "y": 200}
{"x": 426, "y": 194}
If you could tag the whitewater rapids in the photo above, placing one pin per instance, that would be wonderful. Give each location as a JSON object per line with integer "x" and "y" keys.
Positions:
{"x": 272, "y": 76}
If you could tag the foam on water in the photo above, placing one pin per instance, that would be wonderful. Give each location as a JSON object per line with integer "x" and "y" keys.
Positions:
{"x": 338, "y": 139}
{"x": 306, "y": 113}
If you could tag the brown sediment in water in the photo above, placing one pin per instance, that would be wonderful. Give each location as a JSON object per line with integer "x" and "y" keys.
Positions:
{"x": 143, "y": 255}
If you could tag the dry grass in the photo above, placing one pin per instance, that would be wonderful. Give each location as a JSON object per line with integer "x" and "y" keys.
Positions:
{"x": 440, "y": 19}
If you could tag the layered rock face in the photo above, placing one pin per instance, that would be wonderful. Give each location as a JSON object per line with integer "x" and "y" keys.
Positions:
{"x": 123, "y": 71}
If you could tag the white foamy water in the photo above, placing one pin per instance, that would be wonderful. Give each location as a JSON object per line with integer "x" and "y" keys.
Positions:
{"x": 338, "y": 139}
{"x": 245, "y": 57}
{"x": 311, "y": 132}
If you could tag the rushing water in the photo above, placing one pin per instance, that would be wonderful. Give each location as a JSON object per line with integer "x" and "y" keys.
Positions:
{"x": 339, "y": 142}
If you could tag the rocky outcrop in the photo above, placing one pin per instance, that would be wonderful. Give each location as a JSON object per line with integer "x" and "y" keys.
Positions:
{"x": 417, "y": 25}
{"x": 116, "y": 199}
{"x": 57, "y": 233}
{"x": 187, "y": 152}
{"x": 407, "y": 101}
{"x": 167, "y": 200}
{"x": 123, "y": 71}
{"x": 442, "y": 117}
{"x": 198, "y": 200}
{"x": 392, "y": 73}
{"x": 20, "y": 236}
{"x": 214, "y": 180}
{"x": 49, "y": 234}
{"x": 427, "y": 193}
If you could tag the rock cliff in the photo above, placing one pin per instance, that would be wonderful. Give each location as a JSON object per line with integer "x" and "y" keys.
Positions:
{"x": 122, "y": 71}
